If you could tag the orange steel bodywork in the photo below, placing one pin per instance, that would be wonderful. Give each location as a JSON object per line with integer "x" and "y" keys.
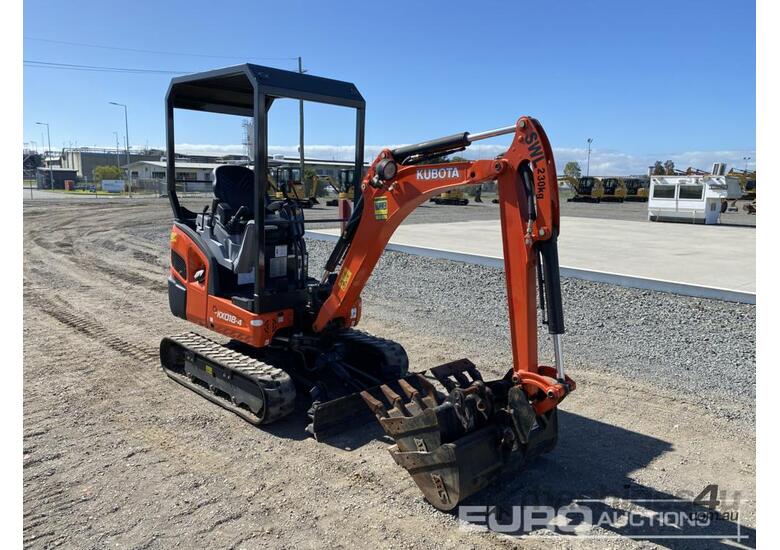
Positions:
{"x": 220, "y": 314}
{"x": 385, "y": 206}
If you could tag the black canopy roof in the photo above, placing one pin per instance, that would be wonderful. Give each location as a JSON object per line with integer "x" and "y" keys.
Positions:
{"x": 231, "y": 90}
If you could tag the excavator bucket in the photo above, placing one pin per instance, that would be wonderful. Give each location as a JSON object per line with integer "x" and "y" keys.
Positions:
{"x": 455, "y": 442}
{"x": 335, "y": 416}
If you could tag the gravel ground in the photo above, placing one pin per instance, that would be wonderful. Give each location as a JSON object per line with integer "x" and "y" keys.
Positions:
{"x": 703, "y": 349}
{"x": 117, "y": 455}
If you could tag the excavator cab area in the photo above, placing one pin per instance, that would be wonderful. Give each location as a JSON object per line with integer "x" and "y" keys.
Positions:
{"x": 346, "y": 179}
{"x": 290, "y": 185}
{"x": 613, "y": 190}
{"x": 288, "y": 178}
{"x": 344, "y": 186}
{"x": 587, "y": 189}
{"x": 636, "y": 189}
{"x": 241, "y": 194}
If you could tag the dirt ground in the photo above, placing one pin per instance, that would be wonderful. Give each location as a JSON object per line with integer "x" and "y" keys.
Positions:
{"x": 117, "y": 455}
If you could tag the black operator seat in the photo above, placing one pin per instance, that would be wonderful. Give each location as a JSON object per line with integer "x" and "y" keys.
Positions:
{"x": 231, "y": 230}
{"x": 233, "y": 189}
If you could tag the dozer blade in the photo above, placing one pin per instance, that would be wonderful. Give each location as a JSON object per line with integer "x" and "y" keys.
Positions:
{"x": 336, "y": 416}
{"x": 454, "y": 444}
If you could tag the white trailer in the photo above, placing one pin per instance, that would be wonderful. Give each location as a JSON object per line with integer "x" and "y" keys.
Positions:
{"x": 694, "y": 199}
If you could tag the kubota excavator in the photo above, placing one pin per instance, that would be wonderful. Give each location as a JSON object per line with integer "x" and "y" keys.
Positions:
{"x": 239, "y": 267}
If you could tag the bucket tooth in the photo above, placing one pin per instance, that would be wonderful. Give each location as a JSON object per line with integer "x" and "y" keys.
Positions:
{"x": 376, "y": 406}
{"x": 399, "y": 408}
{"x": 422, "y": 401}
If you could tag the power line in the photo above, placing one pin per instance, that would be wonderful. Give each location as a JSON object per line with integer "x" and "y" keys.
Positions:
{"x": 136, "y": 50}
{"x": 73, "y": 67}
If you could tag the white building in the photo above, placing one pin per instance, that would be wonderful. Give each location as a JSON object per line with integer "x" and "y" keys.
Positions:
{"x": 695, "y": 198}
{"x": 197, "y": 176}
{"x": 185, "y": 171}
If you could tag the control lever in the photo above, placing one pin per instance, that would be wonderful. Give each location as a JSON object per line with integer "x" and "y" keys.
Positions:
{"x": 235, "y": 219}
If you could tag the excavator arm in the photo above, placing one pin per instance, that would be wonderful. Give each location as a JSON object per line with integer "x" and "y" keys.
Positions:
{"x": 530, "y": 218}
{"x": 453, "y": 445}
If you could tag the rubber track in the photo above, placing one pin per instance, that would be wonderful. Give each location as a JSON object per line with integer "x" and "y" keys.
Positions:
{"x": 396, "y": 360}
{"x": 277, "y": 386}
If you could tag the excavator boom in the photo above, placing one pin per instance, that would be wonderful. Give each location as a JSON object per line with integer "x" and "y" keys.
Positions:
{"x": 530, "y": 219}
{"x": 448, "y": 442}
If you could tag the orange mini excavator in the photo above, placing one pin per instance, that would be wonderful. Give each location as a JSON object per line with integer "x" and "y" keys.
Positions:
{"x": 239, "y": 267}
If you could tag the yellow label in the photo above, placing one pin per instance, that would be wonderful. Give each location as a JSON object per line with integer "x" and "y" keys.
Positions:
{"x": 210, "y": 370}
{"x": 346, "y": 275}
{"x": 380, "y": 208}
{"x": 174, "y": 236}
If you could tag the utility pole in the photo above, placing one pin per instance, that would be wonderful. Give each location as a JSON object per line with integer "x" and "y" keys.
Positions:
{"x": 33, "y": 146}
{"x": 300, "y": 114}
{"x": 116, "y": 138}
{"x": 587, "y": 172}
{"x": 127, "y": 148}
{"x": 51, "y": 170}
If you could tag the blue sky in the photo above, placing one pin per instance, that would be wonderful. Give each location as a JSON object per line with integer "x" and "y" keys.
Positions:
{"x": 646, "y": 80}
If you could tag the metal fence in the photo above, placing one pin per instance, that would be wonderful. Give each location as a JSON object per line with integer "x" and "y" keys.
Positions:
{"x": 152, "y": 187}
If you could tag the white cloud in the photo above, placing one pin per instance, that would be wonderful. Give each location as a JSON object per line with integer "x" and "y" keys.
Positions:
{"x": 602, "y": 161}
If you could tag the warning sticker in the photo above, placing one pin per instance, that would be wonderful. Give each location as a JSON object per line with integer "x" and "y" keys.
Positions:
{"x": 380, "y": 208}
{"x": 346, "y": 275}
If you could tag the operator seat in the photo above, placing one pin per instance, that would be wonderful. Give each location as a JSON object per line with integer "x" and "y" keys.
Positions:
{"x": 231, "y": 235}
{"x": 233, "y": 188}
{"x": 230, "y": 228}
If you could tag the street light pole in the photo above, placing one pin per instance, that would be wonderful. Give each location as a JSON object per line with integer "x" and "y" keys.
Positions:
{"x": 51, "y": 170}
{"x": 300, "y": 145}
{"x": 127, "y": 148}
{"x": 116, "y": 138}
{"x": 587, "y": 173}
{"x": 746, "y": 159}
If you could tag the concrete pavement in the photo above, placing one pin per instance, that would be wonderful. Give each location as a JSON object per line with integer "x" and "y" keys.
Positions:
{"x": 709, "y": 261}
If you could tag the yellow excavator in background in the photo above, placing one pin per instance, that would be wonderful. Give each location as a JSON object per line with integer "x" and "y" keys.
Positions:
{"x": 586, "y": 189}
{"x": 455, "y": 197}
{"x": 636, "y": 189}
{"x": 613, "y": 190}
{"x": 345, "y": 186}
{"x": 288, "y": 178}
{"x": 747, "y": 181}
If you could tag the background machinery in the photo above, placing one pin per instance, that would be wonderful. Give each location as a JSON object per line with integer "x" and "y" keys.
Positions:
{"x": 455, "y": 197}
{"x": 239, "y": 267}
{"x": 288, "y": 181}
{"x": 586, "y": 189}
{"x": 747, "y": 182}
{"x": 636, "y": 189}
{"x": 345, "y": 187}
{"x": 613, "y": 190}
